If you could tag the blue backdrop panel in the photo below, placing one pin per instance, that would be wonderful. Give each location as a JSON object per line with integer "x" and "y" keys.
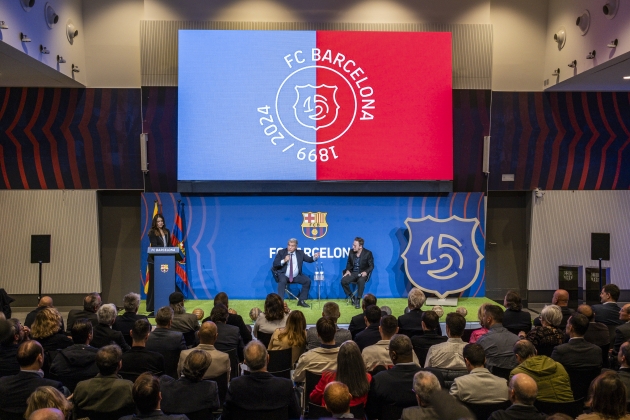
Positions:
{"x": 231, "y": 241}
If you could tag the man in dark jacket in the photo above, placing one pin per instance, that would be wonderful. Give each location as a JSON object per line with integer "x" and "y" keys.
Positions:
{"x": 357, "y": 323}
{"x": 138, "y": 359}
{"x": 91, "y": 303}
{"x": 234, "y": 318}
{"x": 77, "y": 362}
{"x": 358, "y": 269}
{"x": 523, "y": 392}
{"x": 165, "y": 341}
{"x": 421, "y": 343}
{"x": 410, "y": 323}
{"x": 9, "y": 348}
{"x": 104, "y": 335}
{"x": 577, "y": 353}
{"x": 124, "y": 323}
{"x": 371, "y": 334}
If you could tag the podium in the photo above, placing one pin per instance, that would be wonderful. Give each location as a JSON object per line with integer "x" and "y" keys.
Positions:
{"x": 570, "y": 279}
{"x": 164, "y": 260}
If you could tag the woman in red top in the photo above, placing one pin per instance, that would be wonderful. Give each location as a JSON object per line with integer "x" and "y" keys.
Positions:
{"x": 350, "y": 371}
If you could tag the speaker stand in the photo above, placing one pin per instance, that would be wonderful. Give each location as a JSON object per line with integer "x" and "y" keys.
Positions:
{"x": 39, "y": 294}
{"x": 600, "y": 274}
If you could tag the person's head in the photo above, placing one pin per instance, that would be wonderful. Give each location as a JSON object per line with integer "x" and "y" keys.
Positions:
{"x": 47, "y": 397}
{"x": 254, "y": 313}
{"x": 157, "y": 223}
{"x": 92, "y": 302}
{"x": 523, "y": 350}
{"x": 388, "y": 327}
{"x": 424, "y": 384}
{"x": 47, "y": 322}
{"x": 108, "y": 359}
{"x": 455, "y": 325}
{"x": 295, "y": 329}
{"x": 219, "y": 313}
{"x": 577, "y": 325}
{"x": 481, "y": 313}
{"x": 551, "y": 315}
{"x": 623, "y": 357}
{"x": 196, "y": 364}
{"x": 624, "y": 313}
{"x": 146, "y": 393}
{"x": 386, "y": 310}
{"x": 326, "y": 329}
{"x": 15, "y": 334}
{"x": 106, "y": 314}
{"x": 351, "y": 368}
{"x": 462, "y": 311}
{"x": 513, "y": 301}
{"x": 430, "y": 321}
{"x": 560, "y": 298}
{"x": 587, "y": 311}
{"x": 608, "y": 396}
{"x": 208, "y": 333}
{"x": 400, "y": 349}
{"x": 610, "y": 293}
{"x": 372, "y": 315}
{"x": 357, "y": 245}
{"x": 30, "y": 355}
{"x": 331, "y": 310}
{"x": 46, "y": 414}
{"x": 368, "y": 300}
{"x": 416, "y": 298}
{"x": 176, "y": 301}
{"x": 255, "y": 355}
{"x": 474, "y": 356}
{"x": 274, "y": 307}
{"x": 337, "y": 397}
{"x": 292, "y": 245}
{"x": 492, "y": 314}
{"x": 222, "y": 297}
{"x": 131, "y": 302}
{"x": 82, "y": 331}
{"x": 45, "y": 302}
{"x": 140, "y": 332}
{"x": 164, "y": 317}
{"x": 523, "y": 389}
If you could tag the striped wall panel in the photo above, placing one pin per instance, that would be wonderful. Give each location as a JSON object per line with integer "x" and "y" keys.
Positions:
{"x": 71, "y": 218}
{"x": 472, "y": 46}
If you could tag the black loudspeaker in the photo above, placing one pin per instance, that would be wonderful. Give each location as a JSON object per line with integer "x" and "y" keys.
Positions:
{"x": 40, "y": 249}
{"x": 600, "y": 246}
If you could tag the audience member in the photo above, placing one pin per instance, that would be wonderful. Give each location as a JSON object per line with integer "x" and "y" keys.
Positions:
{"x": 410, "y": 323}
{"x": 357, "y": 323}
{"x": 292, "y": 336}
{"x": 251, "y": 392}
{"x": 220, "y": 360}
{"x": 608, "y": 399}
{"x": 623, "y": 358}
{"x": 577, "y": 353}
{"x": 165, "y": 341}
{"x": 9, "y": 348}
{"x": 91, "y": 303}
{"x": 323, "y": 357}
{"x": 229, "y": 337}
{"x": 138, "y": 359}
{"x": 523, "y": 392}
{"x": 47, "y": 414}
{"x": 561, "y": 300}
{"x": 551, "y": 378}
{"x": 548, "y": 335}
{"x": 234, "y": 318}
{"x": 182, "y": 321}
{"x": 370, "y": 335}
{"x": 148, "y": 398}
{"x": 48, "y": 397}
{"x": 47, "y": 330}
{"x": 386, "y": 310}
{"x": 608, "y": 312}
{"x": 422, "y": 343}
{"x": 44, "y": 302}
{"x": 254, "y": 313}
{"x": 331, "y": 310}
{"x": 350, "y": 371}
{"x": 449, "y": 355}
{"x": 622, "y": 332}
{"x": 378, "y": 354}
{"x": 479, "y": 386}
{"x": 337, "y": 399}
{"x": 424, "y": 384}
{"x": 514, "y": 318}
{"x": 77, "y": 362}
{"x": 479, "y": 332}
{"x": 190, "y": 392}
{"x": 274, "y": 316}
{"x": 124, "y": 323}
{"x": 104, "y": 335}
{"x": 498, "y": 342}
{"x": 597, "y": 332}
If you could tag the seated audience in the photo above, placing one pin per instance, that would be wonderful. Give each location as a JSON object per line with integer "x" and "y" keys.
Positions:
{"x": 165, "y": 341}
{"x": 323, "y": 357}
{"x": 561, "y": 300}
{"x": 449, "y": 355}
{"x": 220, "y": 360}
{"x": 251, "y": 392}
{"x": 498, "y": 342}
{"x": 47, "y": 414}
{"x": 410, "y": 323}
{"x": 608, "y": 399}
{"x": 77, "y": 362}
{"x": 523, "y": 392}
{"x": 124, "y": 323}
{"x": 254, "y": 313}
{"x": 147, "y": 397}
{"x": 107, "y": 392}
{"x": 479, "y": 386}
{"x": 370, "y": 335}
{"x": 15, "y": 389}
{"x": 138, "y": 359}
{"x": 622, "y": 332}
{"x": 548, "y": 335}
{"x": 424, "y": 384}
{"x": 337, "y": 399}
{"x": 357, "y": 323}
{"x": 9, "y": 347}
{"x": 479, "y": 332}
{"x": 91, "y": 303}
{"x": 229, "y": 337}
{"x": 234, "y": 318}
{"x": 48, "y": 397}
{"x": 608, "y": 312}
{"x": 190, "y": 392}
{"x": 331, "y": 310}
{"x": 350, "y": 371}
{"x": 104, "y": 335}
{"x": 577, "y": 353}
{"x": 430, "y": 337}
{"x": 47, "y": 330}
{"x": 44, "y": 302}
{"x": 514, "y": 318}
{"x": 551, "y": 378}
{"x": 182, "y": 321}
{"x": 623, "y": 358}
{"x": 292, "y": 336}
{"x": 597, "y": 332}
{"x": 378, "y": 354}
{"x": 274, "y": 316}
{"x": 386, "y": 310}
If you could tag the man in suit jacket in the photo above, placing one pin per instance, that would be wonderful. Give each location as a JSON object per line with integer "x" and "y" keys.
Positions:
{"x": 124, "y": 323}
{"x": 165, "y": 341}
{"x": 371, "y": 334}
{"x": 146, "y": 396}
{"x": 287, "y": 267}
{"x": 358, "y": 268}
{"x": 91, "y": 303}
{"x": 357, "y": 323}
{"x": 44, "y": 302}
{"x": 577, "y": 353}
{"x": 234, "y": 318}
{"x": 479, "y": 386}
{"x": 220, "y": 360}
{"x": 9, "y": 348}
{"x": 229, "y": 338}
{"x": 104, "y": 335}
{"x": 561, "y": 299}
{"x": 15, "y": 389}
{"x": 251, "y": 392}
{"x": 523, "y": 392}
{"x": 622, "y": 332}
{"x": 410, "y": 323}
{"x": 597, "y": 332}
{"x": 623, "y": 359}
{"x": 608, "y": 312}
{"x": 422, "y": 343}
{"x": 138, "y": 359}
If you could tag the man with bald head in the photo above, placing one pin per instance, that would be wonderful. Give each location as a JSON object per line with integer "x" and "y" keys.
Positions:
{"x": 622, "y": 332}
{"x": 44, "y": 302}
{"x": 560, "y": 298}
{"x": 597, "y": 332}
{"x": 208, "y": 334}
{"x": 47, "y": 414}
{"x": 523, "y": 392}
{"x": 337, "y": 400}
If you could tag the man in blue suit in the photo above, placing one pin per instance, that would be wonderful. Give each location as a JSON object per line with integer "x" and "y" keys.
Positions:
{"x": 288, "y": 269}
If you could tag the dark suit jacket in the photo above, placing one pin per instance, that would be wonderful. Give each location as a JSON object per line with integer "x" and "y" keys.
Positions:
{"x": 169, "y": 344}
{"x": 357, "y": 324}
{"x": 622, "y": 334}
{"x": 300, "y": 256}
{"x": 368, "y": 337}
{"x": 517, "y": 320}
{"x": 104, "y": 336}
{"x": 139, "y": 360}
{"x": 251, "y": 392}
{"x": 184, "y": 396}
{"x": 566, "y": 314}
{"x": 518, "y": 412}
{"x": 30, "y": 318}
{"x": 75, "y": 314}
{"x": 410, "y": 323}
{"x": 366, "y": 261}
{"x": 577, "y": 353}
{"x": 422, "y": 343}
{"x": 8, "y": 360}
{"x": 14, "y": 390}
{"x": 124, "y": 324}
{"x": 156, "y": 241}
{"x": 597, "y": 334}
{"x": 237, "y": 321}
{"x": 607, "y": 314}
{"x": 229, "y": 338}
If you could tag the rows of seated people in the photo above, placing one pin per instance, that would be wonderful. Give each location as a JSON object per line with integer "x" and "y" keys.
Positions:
{"x": 105, "y": 366}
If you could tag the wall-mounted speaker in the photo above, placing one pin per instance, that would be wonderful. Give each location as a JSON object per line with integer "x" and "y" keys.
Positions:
{"x": 486, "y": 154}
{"x": 40, "y": 249}
{"x": 144, "y": 165}
{"x": 600, "y": 246}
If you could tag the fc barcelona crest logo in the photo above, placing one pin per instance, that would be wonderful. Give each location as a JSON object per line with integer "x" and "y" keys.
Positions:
{"x": 164, "y": 268}
{"x": 314, "y": 225}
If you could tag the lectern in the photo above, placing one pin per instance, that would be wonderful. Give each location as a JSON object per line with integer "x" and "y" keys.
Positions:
{"x": 165, "y": 262}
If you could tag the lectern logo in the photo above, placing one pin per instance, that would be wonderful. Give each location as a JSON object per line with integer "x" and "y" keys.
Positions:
{"x": 314, "y": 225}
{"x": 164, "y": 268}
{"x": 568, "y": 275}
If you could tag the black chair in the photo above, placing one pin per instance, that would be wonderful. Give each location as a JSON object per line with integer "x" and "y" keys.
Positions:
{"x": 354, "y": 293}
{"x": 280, "y": 363}
{"x": 7, "y": 415}
{"x": 358, "y": 411}
{"x": 71, "y": 382}
{"x": 237, "y": 413}
{"x": 571, "y": 408}
{"x": 286, "y": 289}
{"x": 234, "y": 371}
{"x": 191, "y": 338}
{"x": 391, "y": 412}
{"x": 483, "y": 411}
{"x": 222, "y": 385}
{"x": 316, "y": 411}
{"x": 450, "y": 375}
{"x": 264, "y": 338}
{"x": 605, "y": 350}
{"x": 311, "y": 381}
{"x": 581, "y": 379}
{"x": 467, "y": 333}
{"x": 501, "y": 372}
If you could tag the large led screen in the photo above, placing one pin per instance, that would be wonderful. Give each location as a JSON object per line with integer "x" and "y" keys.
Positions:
{"x": 314, "y": 105}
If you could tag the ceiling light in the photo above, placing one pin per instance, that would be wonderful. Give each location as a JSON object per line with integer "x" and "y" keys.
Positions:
{"x": 50, "y": 15}
{"x": 583, "y": 22}
{"x": 71, "y": 31}
{"x": 626, "y": 77}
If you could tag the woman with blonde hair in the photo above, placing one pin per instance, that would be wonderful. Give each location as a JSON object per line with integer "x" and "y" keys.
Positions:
{"x": 48, "y": 397}
{"x": 47, "y": 330}
{"x": 292, "y": 336}
{"x": 483, "y": 330}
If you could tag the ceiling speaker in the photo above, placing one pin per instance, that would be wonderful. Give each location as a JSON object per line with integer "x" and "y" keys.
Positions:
{"x": 51, "y": 17}
{"x": 27, "y": 4}
{"x": 610, "y": 8}
{"x": 71, "y": 31}
{"x": 560, "y": 37}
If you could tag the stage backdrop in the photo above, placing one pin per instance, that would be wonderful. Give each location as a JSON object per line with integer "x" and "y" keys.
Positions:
{"x": 230, "y": 242}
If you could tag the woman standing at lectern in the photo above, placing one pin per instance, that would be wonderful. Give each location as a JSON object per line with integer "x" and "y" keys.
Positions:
{"x": 159, "y": 236}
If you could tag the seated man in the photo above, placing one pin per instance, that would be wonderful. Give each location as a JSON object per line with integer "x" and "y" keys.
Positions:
{"x": 103, "y": 334}
{"x": 608, "y": 312}
{"x": 138, "y": 359}
{"x": 370, "y": 335}
{"x": 498, "y": 342}
{"x": 479, "y": 386}
{"x": 9, "y": 348}
{"x": 165, "y": 341}
{"x": 597, "y": 332}
{"x": 229, "y": 336}
{"x": 44, "y": 302}
{"x": 331, "y": 310}
{"x": 124, "y": 323}
{"x": 523, "y": 392}
{"x": 91, "y": 303}
{"x": 220, "y": 360}
{"x": 182, "y": 321}
{"x": 288, "y": 269}
{"x": 424, "y": 384}
{"x": 77, "y": 362}
{"x": 561, "y": 299}
{"x": 623, "y": 359}
{"x": 378, "y": 354}
{"x": 321, "y": 358}
{"x": 577, "y": 353}
{"x": 147, "y": 397}
{"x": 422, "y": 343}
{"x": 234, "y": 318}
{"x": 359, "y": 267}
{"x": 551, "y": 378}
{"x": 337, "y": 399}
{"x": 622, "y": 332}
{"x": 357, "y": 323}
{"x": 450, "y": 354}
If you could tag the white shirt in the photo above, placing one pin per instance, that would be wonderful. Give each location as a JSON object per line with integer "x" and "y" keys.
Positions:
{"x": 293, "y": 260}
{"x": 447, "y": 355}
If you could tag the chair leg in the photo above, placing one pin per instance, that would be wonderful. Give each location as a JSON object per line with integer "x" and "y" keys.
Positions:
{"x": 287, "y": 291}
